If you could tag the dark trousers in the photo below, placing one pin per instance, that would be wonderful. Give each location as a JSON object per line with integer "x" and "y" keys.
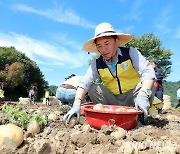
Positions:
{"x": 100, "y": 94}
{"x": 159, "y": 94}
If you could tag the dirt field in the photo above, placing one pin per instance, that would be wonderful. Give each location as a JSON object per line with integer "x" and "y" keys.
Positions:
{"x": 159, "y": 135}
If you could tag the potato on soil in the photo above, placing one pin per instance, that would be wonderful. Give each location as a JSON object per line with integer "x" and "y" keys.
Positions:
{"x": 33, "y": 127}
{"x": 13, "y": 132}
{"x": 119, "y": 133}
{"x": 53, "y": 117}
{"x": 72, "y": 122}
{"x": 99, "y": 107}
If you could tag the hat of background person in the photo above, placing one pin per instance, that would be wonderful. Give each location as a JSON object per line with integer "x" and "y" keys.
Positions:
{"x": 105, "y": 29}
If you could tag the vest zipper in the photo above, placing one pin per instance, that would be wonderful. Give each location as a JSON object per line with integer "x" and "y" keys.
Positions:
{"x": 118, "y": 81}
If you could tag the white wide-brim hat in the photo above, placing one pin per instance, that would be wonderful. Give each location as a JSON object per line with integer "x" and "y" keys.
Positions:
{"x": 105, "y": 29}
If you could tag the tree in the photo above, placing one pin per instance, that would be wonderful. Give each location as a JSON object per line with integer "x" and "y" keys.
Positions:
{"x": 53, "y": 89}
{"x": 13, "y": 75}
{"x": 26, "y": 71}
{"x": 170, "y": 88}
{"x": 150, "y": 47}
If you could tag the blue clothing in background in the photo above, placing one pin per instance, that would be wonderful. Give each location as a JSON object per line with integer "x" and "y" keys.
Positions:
{"x": 67, "y": 90}
{"x": 66, "y": 96}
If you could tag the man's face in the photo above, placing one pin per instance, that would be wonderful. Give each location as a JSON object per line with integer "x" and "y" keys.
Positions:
{"x": 107, "y": 46}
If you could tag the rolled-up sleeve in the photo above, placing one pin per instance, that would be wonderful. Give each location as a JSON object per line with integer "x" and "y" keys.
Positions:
{"x": 142, "y": 65}
{"x": 90, "y": 76}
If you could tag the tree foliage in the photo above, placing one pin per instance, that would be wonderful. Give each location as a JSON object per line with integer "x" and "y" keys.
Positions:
{"x": 19, "y": 73}
{"x": 13, "y": 74}
{"x": 151, "y": 47}
{"x": 53, "y": 89}
{"x": 170, "y": 88}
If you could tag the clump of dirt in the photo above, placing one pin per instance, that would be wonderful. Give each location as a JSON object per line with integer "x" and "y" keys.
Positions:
{"x": 158, "y": 135}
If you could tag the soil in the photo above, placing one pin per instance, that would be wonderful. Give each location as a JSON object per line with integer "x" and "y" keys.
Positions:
{"x": 160, "y": 134}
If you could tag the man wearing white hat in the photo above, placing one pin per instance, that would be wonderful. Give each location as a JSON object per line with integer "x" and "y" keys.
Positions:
{"x": 126, "y": 75}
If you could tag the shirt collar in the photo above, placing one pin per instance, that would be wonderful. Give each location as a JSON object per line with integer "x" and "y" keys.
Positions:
{"x": 118, "y": 53}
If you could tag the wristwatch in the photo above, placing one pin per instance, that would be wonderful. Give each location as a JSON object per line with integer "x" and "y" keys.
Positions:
{"x": 147, "y": 91}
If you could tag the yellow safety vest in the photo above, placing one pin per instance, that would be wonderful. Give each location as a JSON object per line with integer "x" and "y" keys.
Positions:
{"x": 126, "y": 76}
{"x": 47, "y": 94}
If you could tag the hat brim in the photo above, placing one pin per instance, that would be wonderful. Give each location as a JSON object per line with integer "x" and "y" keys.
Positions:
{"x": 90, "y": 46}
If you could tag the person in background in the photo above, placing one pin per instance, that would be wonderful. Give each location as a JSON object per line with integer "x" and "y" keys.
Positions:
{"x": 67, "y": 90}
{"x": 2, "y": 95}
{"x": 178, "y": 98}
{"x": 159, "y": 80}
{"x": 127, "y": 76}
{"x": 47, "y": 95}
{"x": 33, "y": 94}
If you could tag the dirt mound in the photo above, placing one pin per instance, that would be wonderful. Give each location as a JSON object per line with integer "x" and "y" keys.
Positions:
{"x": 158, "y": 135}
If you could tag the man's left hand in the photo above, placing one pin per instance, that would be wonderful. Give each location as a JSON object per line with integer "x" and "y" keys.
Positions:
{"x": 142, "y": 102}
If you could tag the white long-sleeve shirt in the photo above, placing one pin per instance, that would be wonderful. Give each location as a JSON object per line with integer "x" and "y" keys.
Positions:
{"x": 74, "y": 81}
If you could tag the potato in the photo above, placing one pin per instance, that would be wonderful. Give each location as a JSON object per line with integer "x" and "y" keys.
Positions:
{"x": 107, "y": 109}
{"x": 119, "y": 133}
{"x": 13, "y": 132}
{"x": 33, "y": 127}
{"x": 53, "y": 117}
{"x": 99, "y": 107}
{"x": 72, "y": 122}
{"x": 121, "y": 109}
{"x": 131, "y": 110}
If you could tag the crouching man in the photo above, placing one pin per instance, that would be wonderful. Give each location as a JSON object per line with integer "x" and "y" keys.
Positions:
{"x": 126, "y": 75}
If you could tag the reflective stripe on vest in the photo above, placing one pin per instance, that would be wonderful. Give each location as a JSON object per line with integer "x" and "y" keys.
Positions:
{"x": 126, "y": 78}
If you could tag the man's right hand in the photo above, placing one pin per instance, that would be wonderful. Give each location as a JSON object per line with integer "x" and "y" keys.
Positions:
{"x": 75, "y": 110}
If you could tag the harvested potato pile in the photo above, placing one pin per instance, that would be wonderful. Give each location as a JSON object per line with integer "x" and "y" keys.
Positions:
{"x": 100, "y": 107}
{"x": 131, "y": 110}
{"x": 121, "y": 109}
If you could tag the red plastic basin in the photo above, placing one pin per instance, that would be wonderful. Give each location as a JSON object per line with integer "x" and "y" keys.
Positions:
{"x": 96, "y": 118}
{"x": 82, "y": 107}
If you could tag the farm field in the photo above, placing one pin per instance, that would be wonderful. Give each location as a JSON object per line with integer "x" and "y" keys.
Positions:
{"x": 159, "y": 135}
